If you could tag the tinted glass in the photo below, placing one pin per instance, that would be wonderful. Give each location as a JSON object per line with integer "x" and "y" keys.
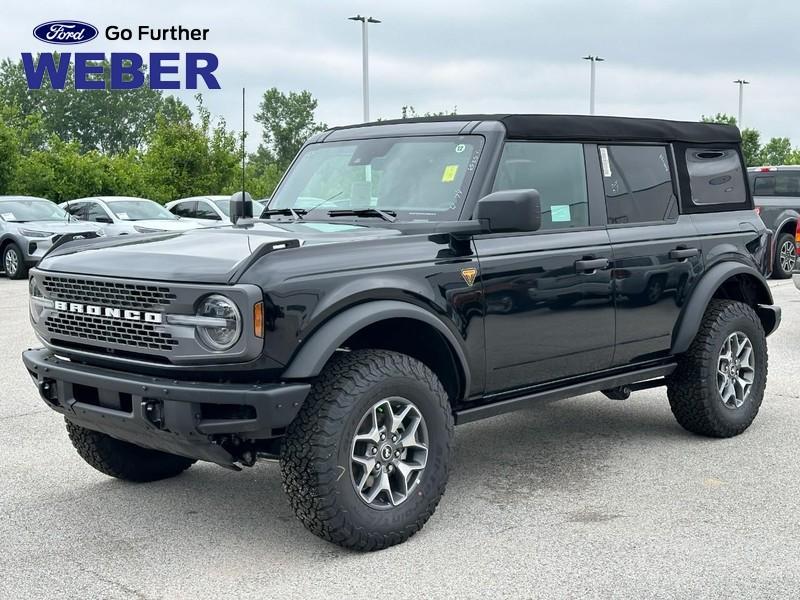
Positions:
{"x": 96, "y": 213}
{"x": 556, "y": 171}
{"x": 638, "y": 184}
{"x": 784, "y": 183}
{"x": 204, "y": 211}
{"x": 184, "y": 209}
{"x": 715, "y": 176}
{"x": 422, "y": 178}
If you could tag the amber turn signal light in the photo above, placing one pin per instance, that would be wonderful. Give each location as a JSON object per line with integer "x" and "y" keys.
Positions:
{"x": 258, "y": 319}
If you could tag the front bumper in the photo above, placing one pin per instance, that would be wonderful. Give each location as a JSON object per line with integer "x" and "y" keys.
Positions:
{"x": 205, "y": 421}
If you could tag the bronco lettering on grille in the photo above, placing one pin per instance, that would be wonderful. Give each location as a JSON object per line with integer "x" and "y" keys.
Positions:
{"x": 112, "y": 313}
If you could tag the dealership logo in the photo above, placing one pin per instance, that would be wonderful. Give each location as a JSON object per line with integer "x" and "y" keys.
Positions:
{"x": 111, "y": 313}
{"x": 65, "y": 32}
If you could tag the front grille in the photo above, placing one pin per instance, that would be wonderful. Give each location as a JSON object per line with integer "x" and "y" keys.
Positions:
{"x": 108, "y": 293}
{"x": 103, "y": 330}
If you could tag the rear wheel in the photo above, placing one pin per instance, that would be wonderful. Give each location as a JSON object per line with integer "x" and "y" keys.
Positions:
{"x": 122, "y": 460}
{"x": 785, "y": 257}
{"x": 719, "y": 383}
{"x": 14, "y": 263}
{"x": 365, "y": 462}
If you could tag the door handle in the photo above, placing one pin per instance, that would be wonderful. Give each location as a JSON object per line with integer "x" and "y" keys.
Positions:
{"x": 590, "y": 265}
{"x": 683, "y": 253}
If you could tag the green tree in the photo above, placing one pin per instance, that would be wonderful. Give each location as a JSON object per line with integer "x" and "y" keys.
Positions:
{"x": 105, "y": 120}
{"x": 777, "y": 151}
{"x": 9, "y": 156}
{"x": 751, "y": 147}
{"x": 184, "y": 158}
{"x": 723, "y": 118}
{"x": 288, "y": 120}
{"x": 409, "y": 112}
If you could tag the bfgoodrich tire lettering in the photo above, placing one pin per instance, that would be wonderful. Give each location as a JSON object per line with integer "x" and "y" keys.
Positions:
{"x": 122, "y": 460}
{"x": 693, "y": 388}
{"x": 317, "y": 453}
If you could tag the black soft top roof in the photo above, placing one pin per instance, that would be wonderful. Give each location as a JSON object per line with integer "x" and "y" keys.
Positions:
{"x": 590, "y": 128}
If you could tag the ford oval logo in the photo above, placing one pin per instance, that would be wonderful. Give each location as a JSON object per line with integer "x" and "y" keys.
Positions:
{"x": 65, "y": 32}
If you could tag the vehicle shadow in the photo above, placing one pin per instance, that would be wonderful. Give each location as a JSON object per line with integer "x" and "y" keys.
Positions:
{"x": 501, "y": 461}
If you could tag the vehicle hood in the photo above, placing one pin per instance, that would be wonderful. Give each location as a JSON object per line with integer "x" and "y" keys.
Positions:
{"x": 56, "y": 227}
{"x": 206, "y": 255}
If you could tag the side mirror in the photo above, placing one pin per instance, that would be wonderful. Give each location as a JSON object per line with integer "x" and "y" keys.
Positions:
{"x": 241, "y": 206}
{"x": 509, "y": 211}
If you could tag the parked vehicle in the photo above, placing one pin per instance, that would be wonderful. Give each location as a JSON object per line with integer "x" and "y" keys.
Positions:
{"x": 123, "y": 215}
{"x": 776, "y": 193}
{"x": 28, "y": 228}
{"x": 407, "y": 276}
{"x": 207, "y": 210}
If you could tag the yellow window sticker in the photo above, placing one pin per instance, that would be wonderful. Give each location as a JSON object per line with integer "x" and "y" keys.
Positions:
{"x": 449, "y": 174}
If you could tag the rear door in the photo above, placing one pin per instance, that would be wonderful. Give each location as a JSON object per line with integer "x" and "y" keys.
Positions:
{"x": 548, "y": 294}
{"x": 656, "y": 250}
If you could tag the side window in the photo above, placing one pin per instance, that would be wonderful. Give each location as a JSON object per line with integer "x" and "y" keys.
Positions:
{"x": 556, "y": 171}
{"x": 184, "y": 209}
{"x": 786, "y": 184}
{"x": 76, "y": 210}
{"x": 96, "y": 213}
{"x": 638, "y": 184}
{"x": 716, "y": 176}
{"x": 204, "y": 211}
{"x": 764, "y": 186}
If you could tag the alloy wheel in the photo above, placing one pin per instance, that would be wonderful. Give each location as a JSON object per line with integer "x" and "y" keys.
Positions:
{"x": 389, "y": 452}
{"x": 788, "y": 256}
{"x": 11, "y": 262}
{"x": 735, "y": 370}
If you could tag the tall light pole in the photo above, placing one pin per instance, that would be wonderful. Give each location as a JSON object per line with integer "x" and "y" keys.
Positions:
{"x": 365, "y": 21}
{"x": 592, "y": 60}
{"x": 741, "y": 83}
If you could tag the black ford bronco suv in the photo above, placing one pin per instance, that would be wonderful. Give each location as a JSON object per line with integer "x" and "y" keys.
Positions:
{"x": 405, "y": 277}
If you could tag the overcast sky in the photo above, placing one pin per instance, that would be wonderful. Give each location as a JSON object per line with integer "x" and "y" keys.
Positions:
{"x": 671, "y": 59}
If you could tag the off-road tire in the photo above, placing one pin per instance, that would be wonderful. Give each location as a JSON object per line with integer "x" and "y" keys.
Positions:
{"x": 691, "y": 388}
{"x": 22, "y": 268}
{"x": 315, "y": 459}
{"x": 122, "y": 460}
{"x": 778, "y": 272}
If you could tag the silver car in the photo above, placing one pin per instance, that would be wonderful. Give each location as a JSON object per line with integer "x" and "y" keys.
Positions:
{"x": 123, "y": 215}
{"x": 28, "y": 228}
{"x": 207, "y": 210}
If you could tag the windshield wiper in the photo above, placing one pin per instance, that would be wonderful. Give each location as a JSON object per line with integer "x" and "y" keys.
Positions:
{"x": 386, "y": 215}
{"x": 297, "y": 213}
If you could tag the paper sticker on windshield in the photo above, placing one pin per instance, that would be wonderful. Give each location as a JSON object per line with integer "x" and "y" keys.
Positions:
{"x": 460, "y": 148}
{"x": 123, "y": 216}
{"x": 9, "y": 216}
{"x": 605, "y": 162}
{"x": 559, "y": 213}
{"x": 449, "y": 173}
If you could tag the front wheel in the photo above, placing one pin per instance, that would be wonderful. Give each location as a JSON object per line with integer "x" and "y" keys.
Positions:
{"x": 365, "y": 462}
{"x": 785, "y": 257}
{"x": 14, "y": 263}
{"x": 718, "y": 386}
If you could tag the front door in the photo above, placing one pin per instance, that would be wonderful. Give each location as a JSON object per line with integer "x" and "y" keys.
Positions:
{"x": 548, "y": 294}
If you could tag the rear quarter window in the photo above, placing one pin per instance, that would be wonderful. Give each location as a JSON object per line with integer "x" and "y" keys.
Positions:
{"x": 716, "y": 177}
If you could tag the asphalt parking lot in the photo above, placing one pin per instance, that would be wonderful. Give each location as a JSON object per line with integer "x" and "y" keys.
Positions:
{"x": 588, "y": 497}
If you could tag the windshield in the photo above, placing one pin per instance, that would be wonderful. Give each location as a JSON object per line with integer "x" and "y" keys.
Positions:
{"x": 418, "y": 178}
{"x": 139, "y": 210}
{"x": 19, "y": 211}
{"x": 225, "y": 207}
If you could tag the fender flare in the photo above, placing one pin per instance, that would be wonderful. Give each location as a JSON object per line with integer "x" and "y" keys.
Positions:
{"x": 788, "y": 216}
{"x": 320, "y": 346}
{"x": 692, "y": 316}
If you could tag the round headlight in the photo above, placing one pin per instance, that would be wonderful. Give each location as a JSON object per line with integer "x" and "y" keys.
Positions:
{"x": 224, "y": 335}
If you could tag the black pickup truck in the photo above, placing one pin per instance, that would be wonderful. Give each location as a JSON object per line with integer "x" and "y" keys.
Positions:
{"x": 405, "y": 277}
{"x": 776, "y": 194}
